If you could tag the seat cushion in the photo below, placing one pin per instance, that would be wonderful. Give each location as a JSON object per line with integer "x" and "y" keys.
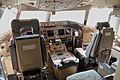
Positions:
{"x": 85, "y": 75}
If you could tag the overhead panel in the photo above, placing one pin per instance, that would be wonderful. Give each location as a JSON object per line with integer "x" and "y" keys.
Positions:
{"x": 57, "y": 5}
{"x": 46, "y": 5}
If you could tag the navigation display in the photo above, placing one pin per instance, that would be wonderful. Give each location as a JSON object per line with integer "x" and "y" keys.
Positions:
{"x": 50, "y": 33}
{"x": 61, "y": 32}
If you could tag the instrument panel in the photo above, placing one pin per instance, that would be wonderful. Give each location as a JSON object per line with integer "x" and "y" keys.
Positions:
{"x": 64, "y": 30}
{"x": 55, "y": 30}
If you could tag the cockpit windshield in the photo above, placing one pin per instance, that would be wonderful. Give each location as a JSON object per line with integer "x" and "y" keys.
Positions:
{"x": 95, "y": 15}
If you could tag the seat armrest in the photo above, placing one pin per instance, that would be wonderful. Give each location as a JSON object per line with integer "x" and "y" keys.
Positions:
{"x": 12, "y": 48}
{"x": 79, "y": 52}
{"x": 11, "y": 42}
{"x": 114, "y": 65}
{"x": 109, "y": 77}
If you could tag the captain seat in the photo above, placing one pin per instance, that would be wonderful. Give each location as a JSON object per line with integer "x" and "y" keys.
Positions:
{"x": 26, "y": 46}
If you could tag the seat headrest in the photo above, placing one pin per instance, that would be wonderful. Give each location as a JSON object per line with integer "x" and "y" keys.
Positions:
{"x": 22, "y": 25}
{"x": 100, "y": 25}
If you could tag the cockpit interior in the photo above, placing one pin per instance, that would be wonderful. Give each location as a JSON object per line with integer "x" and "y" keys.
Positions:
{"x": 55, "y": 47}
